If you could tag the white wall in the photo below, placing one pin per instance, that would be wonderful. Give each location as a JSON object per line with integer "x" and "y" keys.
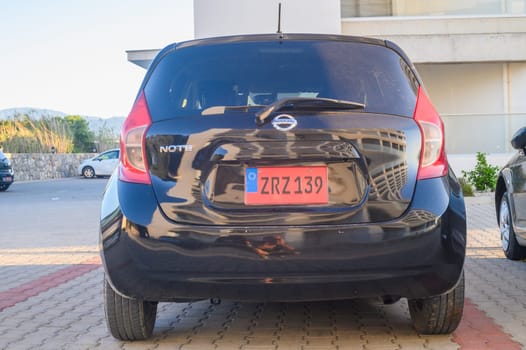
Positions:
{"x": 472, "y": 100}
{"x": 482, "y": 104}
{"x": 230, "y": 17}
{"x": 448, "y": 38}
{"x": 517, "y": 87}
{"x": 464, "y": 88}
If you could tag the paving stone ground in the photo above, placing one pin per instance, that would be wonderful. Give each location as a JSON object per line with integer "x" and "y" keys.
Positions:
{"x": 69, "y": 314}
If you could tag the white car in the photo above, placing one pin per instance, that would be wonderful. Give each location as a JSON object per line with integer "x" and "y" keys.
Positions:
{"x": 101, "y": 165}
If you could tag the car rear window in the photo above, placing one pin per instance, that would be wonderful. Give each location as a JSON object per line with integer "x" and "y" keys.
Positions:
{"x": 192, "y": 79}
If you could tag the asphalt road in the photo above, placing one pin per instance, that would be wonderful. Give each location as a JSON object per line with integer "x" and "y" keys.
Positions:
{"x": 49, "y": 213}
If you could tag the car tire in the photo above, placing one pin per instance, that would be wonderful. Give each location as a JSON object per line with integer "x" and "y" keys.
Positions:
{"x": 127, "y": 318}
{"x": 88, "y": 172}
{"x": 440, "y": 314}
{"x": 510, "y": 246}
{"x": 4, "y": 187}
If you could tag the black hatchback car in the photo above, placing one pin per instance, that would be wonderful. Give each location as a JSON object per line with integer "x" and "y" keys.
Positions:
{"x": 282, "y": 168}
{"x": 510, "y": 200}
{"x": 6, "y": 172}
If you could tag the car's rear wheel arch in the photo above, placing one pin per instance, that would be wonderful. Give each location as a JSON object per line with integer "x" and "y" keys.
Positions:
{"x": 500, "y": 189}
{"x": 511, "y": 247}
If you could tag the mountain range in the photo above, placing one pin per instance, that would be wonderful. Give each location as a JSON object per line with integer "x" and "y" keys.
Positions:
{"x": 95, "y": 123}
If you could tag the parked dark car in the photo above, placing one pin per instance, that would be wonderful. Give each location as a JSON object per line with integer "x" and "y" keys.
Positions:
{"x": 510, "y": 200}
{"x": 282, "y": 168}
{"x": 7, "y": 175}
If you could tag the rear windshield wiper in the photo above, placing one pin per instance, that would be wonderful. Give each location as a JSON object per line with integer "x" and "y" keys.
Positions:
{"x": 306, "y": 103}
{"x": 222, "y": 109}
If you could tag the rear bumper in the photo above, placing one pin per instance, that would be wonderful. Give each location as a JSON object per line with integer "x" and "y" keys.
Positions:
{"x": 6, "y": 177}
{"x": 418, "y": 255}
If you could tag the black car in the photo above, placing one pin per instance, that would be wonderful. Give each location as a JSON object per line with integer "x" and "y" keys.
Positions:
{"x": 510, "y": 200}
{"x": 6, "y": 173}
{"x": 282, "y": 168}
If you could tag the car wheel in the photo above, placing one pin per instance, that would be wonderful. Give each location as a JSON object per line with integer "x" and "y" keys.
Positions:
{"x": 511, "y": 247}
{"x": 88, "y": 172}
{"x": 440, "y": 314}
{"x": 128, "y": 319}
{"x": 4, "y": 187}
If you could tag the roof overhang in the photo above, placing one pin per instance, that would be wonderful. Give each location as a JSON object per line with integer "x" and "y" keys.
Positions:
{"x": 142, "y": 58}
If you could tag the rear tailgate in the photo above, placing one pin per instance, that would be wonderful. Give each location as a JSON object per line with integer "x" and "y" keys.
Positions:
{"x": 333, "y": 168}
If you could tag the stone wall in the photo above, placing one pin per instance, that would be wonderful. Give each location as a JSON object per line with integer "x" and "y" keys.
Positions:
{"x": 45, "y": 166}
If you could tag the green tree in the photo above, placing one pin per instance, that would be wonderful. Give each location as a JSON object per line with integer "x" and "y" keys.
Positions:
{"x": 106, "y": 137}
{"x": 83, "y": 137}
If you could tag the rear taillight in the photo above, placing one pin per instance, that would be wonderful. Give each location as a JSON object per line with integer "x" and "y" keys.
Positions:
{"x": 133, "y": 167}
{"x": 433, "y": 160}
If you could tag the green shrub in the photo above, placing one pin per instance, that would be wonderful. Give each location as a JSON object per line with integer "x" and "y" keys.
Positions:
{"x": 467, "y": 189}
{"x": 484, "y": 176}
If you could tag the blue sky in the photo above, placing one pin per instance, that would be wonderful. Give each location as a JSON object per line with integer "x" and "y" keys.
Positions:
{"x": 70, "y": 56}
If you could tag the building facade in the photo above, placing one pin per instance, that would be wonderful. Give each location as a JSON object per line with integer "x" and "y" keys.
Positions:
{"x": 471, "y": 54}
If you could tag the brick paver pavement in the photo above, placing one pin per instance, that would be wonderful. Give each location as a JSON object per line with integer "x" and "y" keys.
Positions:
{"x": 61, "y": 307}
